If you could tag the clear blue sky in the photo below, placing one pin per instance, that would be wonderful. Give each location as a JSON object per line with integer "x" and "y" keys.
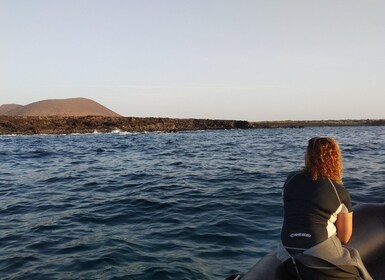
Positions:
{"x": 240, "y": 59}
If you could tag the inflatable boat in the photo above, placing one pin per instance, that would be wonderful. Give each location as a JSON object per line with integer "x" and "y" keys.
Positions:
{"x": 368, "y": 238}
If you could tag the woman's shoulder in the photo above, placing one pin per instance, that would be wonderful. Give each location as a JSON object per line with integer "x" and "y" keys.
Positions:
{"x": 293, "y": 175}
{"x": 296, "y": 174}
{"x": 340, "y": 187}
{"x": 344, "y": 195}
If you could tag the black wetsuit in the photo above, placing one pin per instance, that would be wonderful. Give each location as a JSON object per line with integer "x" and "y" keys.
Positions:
{"x": 311, "y": 208}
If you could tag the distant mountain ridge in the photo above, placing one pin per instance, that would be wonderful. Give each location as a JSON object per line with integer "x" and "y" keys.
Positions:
{"x": 75, "y": 107}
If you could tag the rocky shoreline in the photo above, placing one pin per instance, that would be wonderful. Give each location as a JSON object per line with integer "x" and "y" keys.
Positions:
{"x": 22, "y": 125}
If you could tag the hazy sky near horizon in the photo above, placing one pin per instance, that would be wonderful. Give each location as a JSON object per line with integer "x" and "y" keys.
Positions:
{"x": 239, "y": 59}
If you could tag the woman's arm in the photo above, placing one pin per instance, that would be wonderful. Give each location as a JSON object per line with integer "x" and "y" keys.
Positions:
{"x": 344, "y": 225}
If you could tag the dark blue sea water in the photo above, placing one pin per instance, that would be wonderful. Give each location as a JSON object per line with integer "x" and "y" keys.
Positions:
{"x": 189, "y": 205}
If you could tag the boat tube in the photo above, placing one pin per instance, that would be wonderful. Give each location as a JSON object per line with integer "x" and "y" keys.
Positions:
{"x": 368, "y": 238}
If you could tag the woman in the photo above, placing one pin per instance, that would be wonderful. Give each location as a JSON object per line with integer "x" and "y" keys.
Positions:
{"x": 318, "y": 218}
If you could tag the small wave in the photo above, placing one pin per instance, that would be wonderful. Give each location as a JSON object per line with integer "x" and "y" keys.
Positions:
{"x": 39, "y": 153}
{"x": 16, "y": 263}
{"x": 174, "y": 273}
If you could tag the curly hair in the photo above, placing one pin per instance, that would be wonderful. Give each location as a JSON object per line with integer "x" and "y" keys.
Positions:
{"x": 323, "y": 159}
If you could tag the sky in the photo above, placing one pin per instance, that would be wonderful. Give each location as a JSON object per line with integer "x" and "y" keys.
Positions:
{"x": 218, "y": 59}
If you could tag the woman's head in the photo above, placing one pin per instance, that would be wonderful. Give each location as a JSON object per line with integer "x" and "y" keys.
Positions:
{"x": 323, "y": 159}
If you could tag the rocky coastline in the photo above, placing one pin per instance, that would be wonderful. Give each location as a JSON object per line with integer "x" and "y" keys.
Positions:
{"x": 28, "y": 125}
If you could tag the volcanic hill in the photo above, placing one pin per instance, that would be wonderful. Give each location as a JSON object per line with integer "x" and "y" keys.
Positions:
{"x": 74, "y": 107}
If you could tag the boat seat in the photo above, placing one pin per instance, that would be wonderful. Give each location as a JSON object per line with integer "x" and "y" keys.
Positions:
{"x": 312, "y": 268}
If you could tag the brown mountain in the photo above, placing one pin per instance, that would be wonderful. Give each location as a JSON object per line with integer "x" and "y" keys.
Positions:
{"x": 58, "y": 107}
{"x": 4, "y": 109}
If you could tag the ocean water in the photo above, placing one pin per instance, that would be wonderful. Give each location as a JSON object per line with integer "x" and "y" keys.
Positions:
{"x": 187, "y": 205}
